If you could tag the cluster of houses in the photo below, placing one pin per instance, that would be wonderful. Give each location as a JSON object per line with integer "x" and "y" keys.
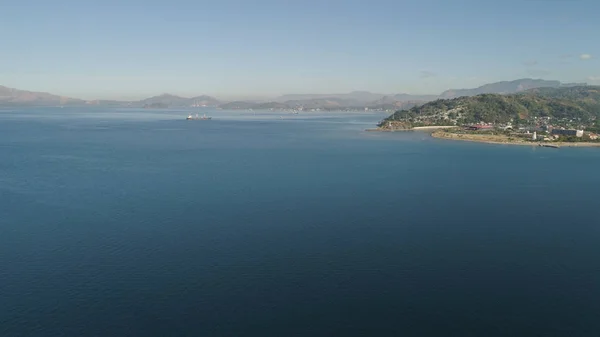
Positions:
{"x": 549, "y": 132}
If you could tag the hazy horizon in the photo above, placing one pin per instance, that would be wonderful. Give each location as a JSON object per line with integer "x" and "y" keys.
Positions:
{"x": 241, "y": 97}
{"x": 264, "y": 49}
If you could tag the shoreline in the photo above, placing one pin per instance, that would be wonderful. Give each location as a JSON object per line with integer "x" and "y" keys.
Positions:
{"x": 502, "y": 140}
{"x": 438, "y": 132}
{"x": 416, "y": 128}
{"x": 433, "y": 127}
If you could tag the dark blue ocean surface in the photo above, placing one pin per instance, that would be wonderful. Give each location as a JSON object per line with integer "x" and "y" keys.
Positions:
{"x": 139, "y": 223}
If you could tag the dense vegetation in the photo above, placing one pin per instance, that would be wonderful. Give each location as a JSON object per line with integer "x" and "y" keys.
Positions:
{"x": 581, "y": 104}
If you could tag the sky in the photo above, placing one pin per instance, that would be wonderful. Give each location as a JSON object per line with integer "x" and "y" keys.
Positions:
{"x": 129, "y": 49}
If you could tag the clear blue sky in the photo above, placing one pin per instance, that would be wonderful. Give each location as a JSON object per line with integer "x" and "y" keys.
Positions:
{"x": 227, "y": 48}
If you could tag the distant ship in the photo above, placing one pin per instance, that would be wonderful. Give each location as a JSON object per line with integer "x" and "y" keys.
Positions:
{"x": 190, "y": 117}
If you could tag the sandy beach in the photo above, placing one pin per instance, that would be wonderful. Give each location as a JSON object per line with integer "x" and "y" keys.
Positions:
{"x": 499, "y": 139}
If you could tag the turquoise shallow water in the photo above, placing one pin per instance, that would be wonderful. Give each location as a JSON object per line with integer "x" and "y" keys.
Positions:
{"x": 138, "y": 223}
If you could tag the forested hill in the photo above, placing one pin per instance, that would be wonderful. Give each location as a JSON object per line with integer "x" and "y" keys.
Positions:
{"x": 580, "y": 103}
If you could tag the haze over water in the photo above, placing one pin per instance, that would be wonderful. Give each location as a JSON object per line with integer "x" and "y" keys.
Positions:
{"x": 139, "y": 223}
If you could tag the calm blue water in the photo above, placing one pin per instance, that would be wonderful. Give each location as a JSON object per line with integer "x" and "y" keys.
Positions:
{"x": 138, "y": 223}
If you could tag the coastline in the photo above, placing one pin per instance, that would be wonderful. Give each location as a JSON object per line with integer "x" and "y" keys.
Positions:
{"x": 503, "y": 140}
{"x": 417, "y": 128}
{"x": 433, "y": 127}
{"x": 440, "y": 133}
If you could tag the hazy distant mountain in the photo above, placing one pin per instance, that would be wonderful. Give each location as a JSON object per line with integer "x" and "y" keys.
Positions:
{"x": 365, "y": 98}
{"x": 271, "y": 105}
{"x": 109, "y": 103}
{"x": 362, "y": 96}
{"x": 355, "y": 96}
{"x": 11, "y": 96}
{"x": 506, "y": 87}
{"x": 204, "y": 100}
{"x": 156, "y": 105}
{"x": 238, "y": 105}
{"x": 168, "y": 100}
{"x": 352, "y": 100}
{"x": 408, "y": 97}
{"x": 254, "y": 105}
{"x": 325, "y": 102}
{"x": 391, "y": 102}
{"x": 396, "y": 106}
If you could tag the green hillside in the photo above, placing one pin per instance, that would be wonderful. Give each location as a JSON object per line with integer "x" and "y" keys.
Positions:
{"x": 579, "y": 104}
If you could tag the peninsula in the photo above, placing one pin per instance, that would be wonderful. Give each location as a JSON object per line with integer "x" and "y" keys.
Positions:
{"x": 567, "y": 116}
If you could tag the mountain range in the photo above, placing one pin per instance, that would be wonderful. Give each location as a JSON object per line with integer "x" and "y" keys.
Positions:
{"x": 11, "y": 96}
{"x": 507, "y": 87}
{"x": 176, "y": 101}
{"x": 352, "y": 100}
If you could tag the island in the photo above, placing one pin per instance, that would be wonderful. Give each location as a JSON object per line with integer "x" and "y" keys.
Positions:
{"x": 552, "y": 117}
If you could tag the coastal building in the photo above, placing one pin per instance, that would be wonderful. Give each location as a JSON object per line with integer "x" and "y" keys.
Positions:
{"x": 480, "y": 127}
{"x": 534, "y": 136}
{"x": 534, "y": 129}
{"x": 567, "y": 132}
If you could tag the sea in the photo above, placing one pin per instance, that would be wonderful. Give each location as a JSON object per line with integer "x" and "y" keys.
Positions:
{"x": 125, "y": 222}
